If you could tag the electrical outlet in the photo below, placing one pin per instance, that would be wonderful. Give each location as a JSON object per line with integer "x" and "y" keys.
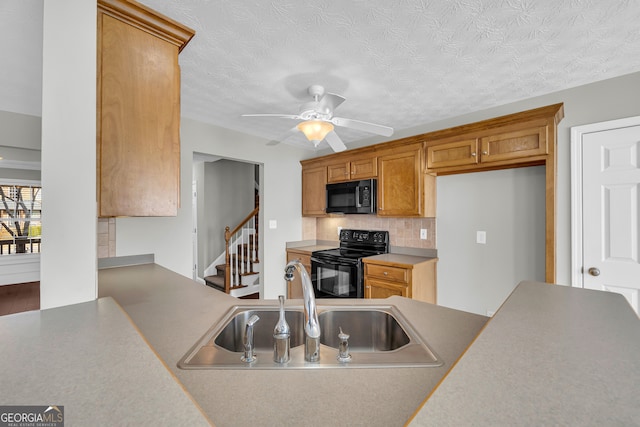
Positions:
{"x": 339, "y": 230}
{"x": 273, "y": 224}
{"x": 423, "y": 234}
{"x": 481, "y": 237}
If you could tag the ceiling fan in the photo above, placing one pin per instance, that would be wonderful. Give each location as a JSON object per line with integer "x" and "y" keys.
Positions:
{"x": 318, "y": 120}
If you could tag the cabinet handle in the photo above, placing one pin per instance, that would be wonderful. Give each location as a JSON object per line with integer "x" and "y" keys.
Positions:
{"x": 473, "y": 154}
{"x": 484, "y": 153}
{"x": 385, "y": 273}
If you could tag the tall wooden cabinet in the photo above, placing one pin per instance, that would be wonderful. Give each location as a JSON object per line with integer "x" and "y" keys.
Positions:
{"x": 138, "y": 110}
{"x": 314, "y": 182}
{"x": 401, "y": 190}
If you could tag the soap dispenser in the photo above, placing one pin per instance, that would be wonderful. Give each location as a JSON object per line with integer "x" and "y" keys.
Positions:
{"x": 281, "y": 336}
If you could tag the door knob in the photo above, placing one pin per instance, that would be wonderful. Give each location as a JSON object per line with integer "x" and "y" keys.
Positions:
{"x": 594, "y": 271}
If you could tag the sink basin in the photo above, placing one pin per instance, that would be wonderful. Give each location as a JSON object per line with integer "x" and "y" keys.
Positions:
{"x": 231, "y": 336}
{"x": 369, "y": 330}
{"x": 380, "y": 337}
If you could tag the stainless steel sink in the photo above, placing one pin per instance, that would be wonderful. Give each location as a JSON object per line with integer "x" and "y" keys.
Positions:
{"x": 380, "y": 337}
{"x": 230, "y": 338}
{"x": 369, "y": 330}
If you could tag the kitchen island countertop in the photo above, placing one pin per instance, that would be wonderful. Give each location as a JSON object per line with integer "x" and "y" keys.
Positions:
{"x": 173, "y": 312}
{"x": 90, "y": 359}
{"x": 552, "y": 355}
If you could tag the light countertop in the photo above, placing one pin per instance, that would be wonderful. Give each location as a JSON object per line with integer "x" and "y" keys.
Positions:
{"x": 90, "y": 359}
{"x": 552, "y": 355}
{"x": 311, "y": 248}
{"x": 393, "y": 259}
{"x": 173, "y": 312}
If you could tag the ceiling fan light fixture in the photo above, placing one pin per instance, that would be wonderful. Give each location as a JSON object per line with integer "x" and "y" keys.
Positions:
{"x": 315, "y": 130}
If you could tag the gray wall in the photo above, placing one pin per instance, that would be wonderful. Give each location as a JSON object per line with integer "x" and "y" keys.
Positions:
{"x": 226, "y": 197}
{"x": 20, "y": 136}
{"x": 509, "y": 205}
{"x": 20, "y": 130}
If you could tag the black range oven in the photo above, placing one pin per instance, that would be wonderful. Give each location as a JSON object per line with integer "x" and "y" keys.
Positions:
{"x": 339, "y": 273}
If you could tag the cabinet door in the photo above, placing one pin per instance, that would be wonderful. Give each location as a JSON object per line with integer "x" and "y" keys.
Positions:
{"x": 314, "y": 198}
{"x": 364, "y": 168}
{"x": 139, "y": 122}
{"x": 457, "y": 153}
{"x": 381, "y": 289}
{"x": 400, "y": 184}
{"x": 338, "y": 172}
{"x": 514, "y": 145}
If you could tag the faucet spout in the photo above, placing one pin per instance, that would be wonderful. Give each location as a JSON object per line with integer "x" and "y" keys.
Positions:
{"x": 311, "y": 324}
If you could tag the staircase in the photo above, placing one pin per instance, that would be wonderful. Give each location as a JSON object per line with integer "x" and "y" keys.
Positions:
{"x": 236, "y": 272}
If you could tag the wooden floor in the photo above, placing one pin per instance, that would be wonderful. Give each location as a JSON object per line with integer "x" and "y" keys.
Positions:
{"x": 19, "y": 298}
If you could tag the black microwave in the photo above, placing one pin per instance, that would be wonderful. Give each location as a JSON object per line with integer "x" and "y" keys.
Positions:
{"x": 353, "y": 197}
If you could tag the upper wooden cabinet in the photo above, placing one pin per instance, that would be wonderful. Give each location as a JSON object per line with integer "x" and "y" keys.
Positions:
{"x": 400, "y": 183}
{"x": 359, "y": 168}
{"x": 457, "y": 153}
{"x": 516, "y": 144}
{"x": 138, "y": 110}
{"x": 522, "y": 139}
{"x": 314, "y": 199}
{"x": 521, "y": 143}
{"x": 404, "y": 190}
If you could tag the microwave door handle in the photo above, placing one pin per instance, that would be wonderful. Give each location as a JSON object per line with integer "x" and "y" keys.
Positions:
{"x": 358, "y": 204}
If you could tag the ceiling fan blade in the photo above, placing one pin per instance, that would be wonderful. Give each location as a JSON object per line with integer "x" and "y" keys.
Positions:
{"x": 284, "y": 136}
{"x": 283, "y": 116}
{"x": 335, "y": 142}
{"x": 329, "y": 102}
{"x": 363, "y": 126}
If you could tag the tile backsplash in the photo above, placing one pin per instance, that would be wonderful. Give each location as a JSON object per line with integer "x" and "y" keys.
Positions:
{"x": 403, "y": 232}
{"x": 106, "y": 237}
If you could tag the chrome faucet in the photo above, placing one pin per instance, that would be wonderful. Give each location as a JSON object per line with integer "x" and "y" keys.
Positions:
{"x": 311, "y": 325}
{"x": 247, "y": 340}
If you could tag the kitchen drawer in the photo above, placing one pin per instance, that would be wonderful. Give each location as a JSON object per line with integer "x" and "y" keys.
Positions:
{"x": 397, "y": 274}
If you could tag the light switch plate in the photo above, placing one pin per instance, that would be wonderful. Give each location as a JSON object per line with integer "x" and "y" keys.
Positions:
{"x": 423, "y": 234}
{"x": 481, "y": 237}
{"x": 273, "y": 224}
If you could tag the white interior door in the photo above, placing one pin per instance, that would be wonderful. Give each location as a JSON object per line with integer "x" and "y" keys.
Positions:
{"x": 610, "y": 176}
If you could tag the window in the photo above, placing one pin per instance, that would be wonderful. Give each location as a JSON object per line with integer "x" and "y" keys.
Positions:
{"x": 20, "y": 215}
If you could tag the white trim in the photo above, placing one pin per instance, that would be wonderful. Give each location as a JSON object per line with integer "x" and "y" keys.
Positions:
{"x": 577, "y": 135}
{"x": 10, "y": 181}
{"x": 19, "y": 164}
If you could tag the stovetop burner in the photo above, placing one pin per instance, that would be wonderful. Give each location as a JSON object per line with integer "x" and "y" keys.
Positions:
{"x": 356, "y": 244}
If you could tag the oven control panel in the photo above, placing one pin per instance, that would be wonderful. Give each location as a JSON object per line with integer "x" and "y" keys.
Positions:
{"x": 363, "y": 236}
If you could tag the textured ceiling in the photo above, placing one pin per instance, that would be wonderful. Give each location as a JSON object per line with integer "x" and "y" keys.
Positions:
{"x": 401, "y": 63}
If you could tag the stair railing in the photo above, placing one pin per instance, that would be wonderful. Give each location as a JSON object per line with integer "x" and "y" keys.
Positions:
{"x": 245, "y": 238}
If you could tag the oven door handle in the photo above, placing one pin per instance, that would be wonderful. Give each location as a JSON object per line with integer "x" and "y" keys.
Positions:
{"x": 326, "y": 262}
